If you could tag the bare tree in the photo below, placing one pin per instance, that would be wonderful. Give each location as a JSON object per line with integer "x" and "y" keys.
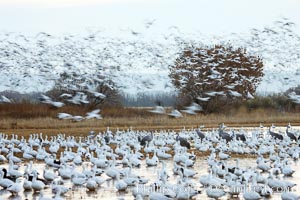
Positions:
{"x": 210, "y": 75}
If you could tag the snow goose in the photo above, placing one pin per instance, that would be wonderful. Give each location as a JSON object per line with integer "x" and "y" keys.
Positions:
{"x": 100, "y": 162}
{"x": 152, "y": 161}
{"x": 58, "y": 188}
{"x": 158, "y": 196}
{"x": 2, "y": 158}
{"x": 4, "y": 182}
{"x": 207, "y": 180}
{"x": 78, "y": 181}
{"x": 112, "y": 171}
{"x": 50, "y": 161}
{"x": 192, "y": 109}
{"x": 93, "y": 114}
{"x": 37, "y": 185}
{"x": 16, "y": 187}
{"x": 162, "y": 154}
{"x": 120, "y": 184}
{"x": 289, "y": 196}
{"x": 49, "y": 175}
{"x": 263, "y": 166}
{"x": 188, "y": 172}
{"x": 77, "y": 160}
{"x": 13, "y": 172}
{"x": 251, "y": 195}
{"x": 41, "y": 154}
{"x": 158, "y": 110}
{"x": 99, "y": 180}
{"x": 13, "y": 158}
{"x": 65, "y": 172}
{"x": 27, "y": 156}
{"x": 143, "y": 180}
{"x": 287, "y": 170}
{"x": 183, "y": 194}
{"x": 64, "y": 116}
{"x": 175, "y": 113}
{"x": 91, "y": 184}
{"x": 223, "y": 156}
{"x": 27, "y": 185}
{"x": 130, "y": 180}
{"x": 260, "y": 178}
{"x": 279, "y": 184}
{"x": 235, "y": 187}
{"x": 215, "y": 193}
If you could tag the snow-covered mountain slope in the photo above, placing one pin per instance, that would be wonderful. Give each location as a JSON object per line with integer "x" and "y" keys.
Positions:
{"x": 137, "y": 61}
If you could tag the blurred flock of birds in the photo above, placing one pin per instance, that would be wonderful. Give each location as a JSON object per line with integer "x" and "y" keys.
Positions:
{"x": 90, "y": 162}
{"x": 137, "y": 61}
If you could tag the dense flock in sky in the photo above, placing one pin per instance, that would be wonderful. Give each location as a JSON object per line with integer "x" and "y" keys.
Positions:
{"x": 137, "y": 61}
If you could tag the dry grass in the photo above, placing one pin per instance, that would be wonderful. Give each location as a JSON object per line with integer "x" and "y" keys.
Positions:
{"x": 138, "y": 121}
{"x": 25, "y": 118}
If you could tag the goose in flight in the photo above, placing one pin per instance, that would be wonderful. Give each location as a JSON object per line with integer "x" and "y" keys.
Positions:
{"x": 192, "y": 109}
{"x": 175, "y": 113}
{"x": 4, "y": 99}
{"x": 47, "y": 100}
{"x": 64, "y": 116}
{"x": 93, "y": 114}
{"x": 158, "y": 110}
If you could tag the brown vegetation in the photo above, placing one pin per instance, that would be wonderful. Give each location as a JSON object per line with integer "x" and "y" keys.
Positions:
{"x": 34, "y": 118}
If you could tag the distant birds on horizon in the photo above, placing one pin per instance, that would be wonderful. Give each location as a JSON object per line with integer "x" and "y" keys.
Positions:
{"x": 193, "y": 109}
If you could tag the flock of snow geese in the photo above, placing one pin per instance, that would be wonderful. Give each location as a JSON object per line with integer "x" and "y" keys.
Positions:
{"x": 192, "y": 110}
{"x": 108, "y": 155}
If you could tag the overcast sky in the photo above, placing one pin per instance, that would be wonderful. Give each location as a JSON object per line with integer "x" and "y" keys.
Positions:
{"x": 210, "y": 16}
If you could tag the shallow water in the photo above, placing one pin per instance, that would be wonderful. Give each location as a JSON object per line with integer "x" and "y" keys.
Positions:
{"x": 108, "y": 192}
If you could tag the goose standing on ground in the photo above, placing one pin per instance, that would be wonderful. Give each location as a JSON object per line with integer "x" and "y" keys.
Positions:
{"x": 215, "y": 193}
{"x": 275, "y": 135}
{"x": 120, "y": 185}
{"x": 152, "y": 161}
{"x": 223, "y": 134}
{"x": 200, "y": 134}
{"x": 183, "y": 142}
{"x": 240, "y": 136}
{"x": 16, "y": 187}
{"x": 37, "y": 185}
{"x": 291, "y": 135}
{"x": 250, "y": 194}
{"x": 2, "y": 158}
{"x": 49, "y": 175}
{"x": 91, "y": 184}
{"x": 289, "y": 196}
{"x": 4, "y": 182}
{"x": 27, "y": 184}
{"x": 145, "y": 139}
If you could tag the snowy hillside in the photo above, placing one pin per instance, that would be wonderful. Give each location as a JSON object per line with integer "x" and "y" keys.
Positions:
{"x": 137, "y": 61}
